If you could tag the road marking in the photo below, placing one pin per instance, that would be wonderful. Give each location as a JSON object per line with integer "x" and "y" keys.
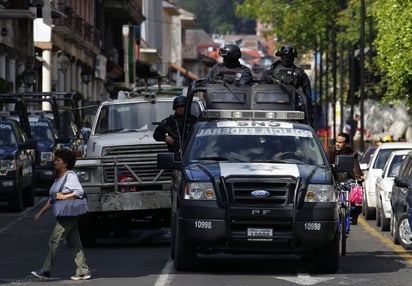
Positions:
{"x": 21, "y": 217}
{"x": 385, "y": 240}
{"x": 165, "y": 277}
{"x": 304, "y": 279}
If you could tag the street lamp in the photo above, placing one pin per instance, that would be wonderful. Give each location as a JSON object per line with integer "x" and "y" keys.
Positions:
{"x": 29, "y": 76}
{"x": 63, "y": 62}
{"x": 86, "y": 74}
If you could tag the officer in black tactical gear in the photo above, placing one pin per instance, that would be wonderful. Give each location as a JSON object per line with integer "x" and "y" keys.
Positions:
{"x": 231, "y": 70}
{"x": 287, "y": 72}
{"x": 170, "y": 130}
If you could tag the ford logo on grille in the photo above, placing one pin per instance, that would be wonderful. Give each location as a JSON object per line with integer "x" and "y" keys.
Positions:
{"x": 260, "y": 194}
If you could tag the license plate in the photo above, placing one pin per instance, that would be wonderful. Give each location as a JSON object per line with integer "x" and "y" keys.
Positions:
{"x": 7, "y": 183}
{"x": 260, "y": 234}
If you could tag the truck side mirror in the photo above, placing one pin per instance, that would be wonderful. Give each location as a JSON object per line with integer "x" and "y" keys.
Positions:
{"x": 168, "y": 161}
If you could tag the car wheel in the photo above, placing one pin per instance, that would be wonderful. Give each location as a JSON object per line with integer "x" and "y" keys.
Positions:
{"x": 392, "y": 229}
{"x": 403, "y": 231}
{"x": 369, "y": 212}
{"x": 378, "y": 216}
{"x": 384, "y": 221}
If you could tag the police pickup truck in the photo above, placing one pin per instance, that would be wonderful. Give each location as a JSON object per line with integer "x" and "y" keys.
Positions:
{"x": 16, "y": 155}
{"x": 253, "y": 181}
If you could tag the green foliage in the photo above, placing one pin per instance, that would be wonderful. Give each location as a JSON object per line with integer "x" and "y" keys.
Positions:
{"x": 308, "y": 24}
{"x": 301, "y": 22}
{"x": 217, "y": 16}
{"x": 394, "y": 45}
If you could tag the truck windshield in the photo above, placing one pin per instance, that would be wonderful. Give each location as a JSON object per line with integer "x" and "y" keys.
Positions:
{"x": 255, "y": 146}
{"x": 41, "y": 131}
{"x": 7, "y": 136}
{"x": 132, "y": 116}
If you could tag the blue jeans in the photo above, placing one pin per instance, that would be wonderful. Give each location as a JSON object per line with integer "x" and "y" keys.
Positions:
{"x": 66, "y": 228}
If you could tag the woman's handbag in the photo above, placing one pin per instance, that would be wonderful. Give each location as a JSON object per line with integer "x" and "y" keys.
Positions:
{"x": 356, "y": 195}
{"x": 69, "y": 207}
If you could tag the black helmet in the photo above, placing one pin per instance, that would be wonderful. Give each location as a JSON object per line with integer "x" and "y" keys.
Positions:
{"x": 287, "y": 50}
{"x": 179, "y": 101}
{"x": 230, "y": 51}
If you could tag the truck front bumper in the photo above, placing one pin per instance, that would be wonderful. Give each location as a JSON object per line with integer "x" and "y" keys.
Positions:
{"x": 312, "y": 228}
{"x": 118, "y": 201}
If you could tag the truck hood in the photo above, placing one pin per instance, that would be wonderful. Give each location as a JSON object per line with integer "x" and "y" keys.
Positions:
{"x": 97, "y": 142}
{"x": 7, "y": 152}
{"x": 308, "y": 173}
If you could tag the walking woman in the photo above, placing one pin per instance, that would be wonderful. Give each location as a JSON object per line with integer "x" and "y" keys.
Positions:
{"x": 65, "y": 187}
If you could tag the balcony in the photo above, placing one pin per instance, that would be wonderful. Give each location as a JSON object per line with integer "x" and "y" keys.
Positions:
{"x": 73, "y": 28}
{"x": 129, "y": 11}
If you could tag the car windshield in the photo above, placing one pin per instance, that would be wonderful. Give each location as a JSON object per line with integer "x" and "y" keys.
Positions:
{"x": 367, "y": 156}
{"x": 381, "y": 158}
{"x": 255, "y": 145}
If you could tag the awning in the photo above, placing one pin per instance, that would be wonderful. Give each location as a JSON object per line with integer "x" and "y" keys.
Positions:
{"x": 184, "y": 71}
{"x": 149, "y": 56}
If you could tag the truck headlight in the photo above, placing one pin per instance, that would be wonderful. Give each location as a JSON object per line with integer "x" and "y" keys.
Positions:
{"x": 7, "y": 165}
{"x": 320, "y": 193}
{"x": 83, "y": 176}
{"x": 199, "y": 191}
{"x": 46, "y": 157}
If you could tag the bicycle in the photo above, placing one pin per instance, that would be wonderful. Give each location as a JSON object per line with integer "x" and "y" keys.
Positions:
{"x": 344, "y": 214}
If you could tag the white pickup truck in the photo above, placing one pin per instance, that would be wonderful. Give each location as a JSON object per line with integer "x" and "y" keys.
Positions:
{"x": 119, "y": 171}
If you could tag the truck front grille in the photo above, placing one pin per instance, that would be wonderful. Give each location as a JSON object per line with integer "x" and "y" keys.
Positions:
{"x": 141, "y": 159}
{"x": 280, "y": 191}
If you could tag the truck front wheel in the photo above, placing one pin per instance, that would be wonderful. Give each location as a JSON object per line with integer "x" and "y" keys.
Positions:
{"x": 16, "y": 201}
{"x": 185, "y": 254}
{"x": 87, "y": 230}
{"x": 327, "y": 257}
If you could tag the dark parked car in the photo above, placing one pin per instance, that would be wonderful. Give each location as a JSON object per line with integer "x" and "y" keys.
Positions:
{"x": 401, "y": 199}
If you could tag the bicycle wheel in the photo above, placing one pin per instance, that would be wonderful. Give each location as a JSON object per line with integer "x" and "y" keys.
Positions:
{"x": 342, "y": 218}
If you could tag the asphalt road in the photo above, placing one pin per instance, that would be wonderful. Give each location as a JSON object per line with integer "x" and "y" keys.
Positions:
{"x": 143, "y": 259}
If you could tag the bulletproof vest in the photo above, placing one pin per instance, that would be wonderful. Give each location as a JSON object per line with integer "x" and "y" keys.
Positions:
{"x": 287, "y": 75}
{"x": 229, "y": 75}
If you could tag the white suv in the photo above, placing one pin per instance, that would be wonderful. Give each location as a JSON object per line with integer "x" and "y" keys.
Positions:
{"x": 383, "y": 188}
{"x": 375, "y": 167}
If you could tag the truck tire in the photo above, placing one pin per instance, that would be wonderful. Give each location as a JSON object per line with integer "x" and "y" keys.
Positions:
{"x": 172, "y": 237}
{"x": 122, "y": 226}
{"x": 87, "y": 230}
{"x": 327, "y": 257}
{"x": 16, "y": 201}
{"x": 185, "y": 255}
{"x": 28, "y": 196}
{"x": 403, "y": 232}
